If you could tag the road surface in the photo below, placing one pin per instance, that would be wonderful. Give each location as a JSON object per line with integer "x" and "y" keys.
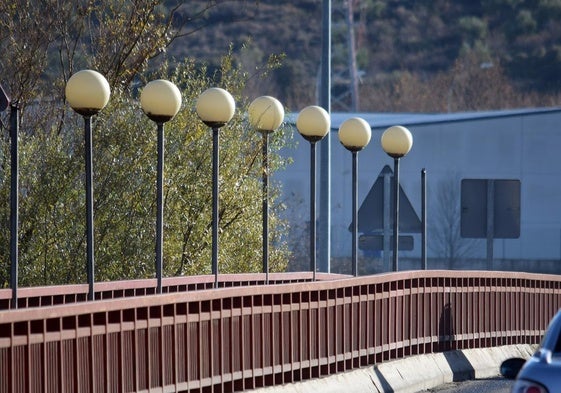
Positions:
{"x": 491, "y": 385}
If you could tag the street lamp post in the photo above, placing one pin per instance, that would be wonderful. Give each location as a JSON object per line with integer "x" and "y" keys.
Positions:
{"x": 265, "y": 115}
{"x": 313, "y": 124}
{"x": 354, "y": 134}
{"x": 14, "y": 201}
{"x": 14, "y": 191}
{"x": 215, "y": 107}
{"x": 396, "y": 142}
{"x": 160, "y": 101}
{"x": 88, "y": 92}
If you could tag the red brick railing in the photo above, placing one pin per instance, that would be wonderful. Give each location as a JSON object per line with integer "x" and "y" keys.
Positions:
{"x": 241, "y": 337}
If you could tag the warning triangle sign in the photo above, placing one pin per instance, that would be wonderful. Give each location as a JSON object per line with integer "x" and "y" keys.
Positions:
{"x": 371, "y": 212}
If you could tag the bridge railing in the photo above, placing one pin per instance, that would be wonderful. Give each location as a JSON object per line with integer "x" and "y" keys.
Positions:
{"x": 65, "y": 294}
{"x": 244, "y": 337}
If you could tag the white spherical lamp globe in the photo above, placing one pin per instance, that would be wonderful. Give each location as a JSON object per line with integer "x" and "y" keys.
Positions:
{"x": 397, "y": 141}
{"x": 313, "y": 123}
{"x": 87, "y": 92}
{"x": 266, "y": 114}
{"x": 354, "y": 134}
{"x": 215, "y": 107}
{"x": 160, "y": 100}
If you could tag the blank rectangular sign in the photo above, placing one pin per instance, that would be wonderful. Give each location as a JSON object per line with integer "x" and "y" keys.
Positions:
{"x": 505, "y": 208}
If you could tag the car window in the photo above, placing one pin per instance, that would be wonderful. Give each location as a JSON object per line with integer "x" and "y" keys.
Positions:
{"x": 557, "y": 348}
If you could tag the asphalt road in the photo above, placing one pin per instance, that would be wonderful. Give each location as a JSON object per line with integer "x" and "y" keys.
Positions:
{"x": 492, "y": 385}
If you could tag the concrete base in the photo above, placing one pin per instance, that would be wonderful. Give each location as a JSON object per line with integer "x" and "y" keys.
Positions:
{"x": 413, "y": 374}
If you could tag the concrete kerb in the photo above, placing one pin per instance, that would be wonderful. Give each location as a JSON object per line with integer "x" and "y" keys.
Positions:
{"x": 412, "y": 374}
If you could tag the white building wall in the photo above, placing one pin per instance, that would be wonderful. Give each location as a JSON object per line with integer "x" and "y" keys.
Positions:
{"x": 522, "y": 145}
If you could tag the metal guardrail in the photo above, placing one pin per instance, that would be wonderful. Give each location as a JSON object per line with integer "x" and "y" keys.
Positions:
{"x": 242, "y": 337}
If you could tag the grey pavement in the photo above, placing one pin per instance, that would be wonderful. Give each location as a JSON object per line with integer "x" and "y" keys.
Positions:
{"x": 412, "y": 374}
{"x": 487, "y": 385}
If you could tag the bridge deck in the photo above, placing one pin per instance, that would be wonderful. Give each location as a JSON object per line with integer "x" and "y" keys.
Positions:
{"x": 247, "y": 335}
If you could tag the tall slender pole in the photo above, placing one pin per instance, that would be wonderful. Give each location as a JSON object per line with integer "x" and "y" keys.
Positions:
{"x": 14, "y": 202}
{"x": 266, "y": 206}
{"x": 325, "y": 146}
{"x": 215, "y": 186}
{"x": 424, "y": 218}
{"x": 313, "y": 263}
{"x": 89, "y": 207}
{"x": 396, "y": 215}
{"x": 355, "y": 214}
{"x": 160, "y": 208}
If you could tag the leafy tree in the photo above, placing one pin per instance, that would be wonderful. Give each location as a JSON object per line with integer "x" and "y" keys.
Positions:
{"x": 125, "y": 41}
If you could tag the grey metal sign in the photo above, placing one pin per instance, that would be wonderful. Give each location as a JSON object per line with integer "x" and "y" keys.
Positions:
{"x": 482, "y": 198}
{"x": 371, "y": 212}
{"x": 490, "y": 208}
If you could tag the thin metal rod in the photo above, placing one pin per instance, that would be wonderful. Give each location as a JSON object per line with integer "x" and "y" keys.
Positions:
{"x": 355, "y": 214}
{"x": 388, "y": 178}
{"x": 215, "y": 186}
{"x": 424, "y": 218}
{"x": 90, "y": 262}
{"x": 490, "y": 222}
{"x": 14, "y": 203}
{"x": 313, "y": 263}
{"x": 160, "y": 208}
{"x": 266, "y": 206}
{"x": 396, "y": 215}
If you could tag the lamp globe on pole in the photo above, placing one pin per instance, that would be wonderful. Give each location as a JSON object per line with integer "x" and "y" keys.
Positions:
{"x": 215, "y": 107}
{"x": 160, "y": 100}
{"x": 313, "y": 123}
{"x": 396, "y": 142}
{"x": 265, "y": 114}
{"x": 354, "y": 135}
{"x": 88, "y": 92}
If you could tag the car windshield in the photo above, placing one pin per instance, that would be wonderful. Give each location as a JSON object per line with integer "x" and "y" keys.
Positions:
{"x": 557, "y": 348}
{"x": 553, "y": 335}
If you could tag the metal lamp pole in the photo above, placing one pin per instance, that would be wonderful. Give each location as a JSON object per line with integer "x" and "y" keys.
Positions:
{"x": 396, "y": 142}
{"x": 215, "y": 107}
{"x": 14, "y": 202}
{"x": 396, "y": 213}
{"x": 354, "y": 135}
{"x": 160, "y": 101}
{"x": 14, "y": 191}
{"x": 266, "y": 114}
{"x": 313, "y": 124}
{"x": 88, "y": 92}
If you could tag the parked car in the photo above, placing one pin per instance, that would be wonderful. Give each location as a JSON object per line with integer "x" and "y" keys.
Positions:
{"x": 542, "y": 372}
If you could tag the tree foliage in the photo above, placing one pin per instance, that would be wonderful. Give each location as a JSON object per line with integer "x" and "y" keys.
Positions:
{"x": 124, "y": 40}
{"x": 419, "y": 41}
